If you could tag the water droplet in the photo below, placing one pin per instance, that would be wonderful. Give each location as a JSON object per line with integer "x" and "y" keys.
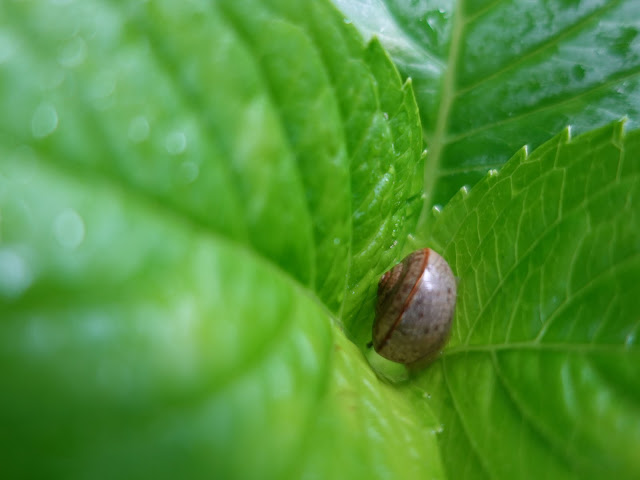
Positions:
{"x": 493, "y": 172}
{"x": 96, "y": 326}
{"x": 138, "y": 129}
{"x": 68, "y": 228}
{"x": 73, "y": 53}
{"x": 578, "y": 72}
{"x": 189, "y": 171}
{"x": 383, "y": 184}
{"x": 15, "y": 274}
{"x": 103, "y": 86}
{"x": 175, "y": 143}
{"x": 347, "y": 21}
{"x": 44, "y": 120}
{"x": 436, "y": 209}
{"x": 464, "y": 190}
{"x": 385, "y": 115}
{"x": 101, "y": 91}
{"x": 7, "y": 47}
{"x": 336, "y": 241}
{"x": 630, "y": 339}
{"x": 53, "y": 80}
{"x": 436, "y": 20}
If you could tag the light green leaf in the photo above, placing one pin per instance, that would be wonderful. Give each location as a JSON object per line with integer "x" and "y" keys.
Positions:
{"x": 494, "y": 75}
{"x": 193, "y": 195}
{"x": 540, "y": 377}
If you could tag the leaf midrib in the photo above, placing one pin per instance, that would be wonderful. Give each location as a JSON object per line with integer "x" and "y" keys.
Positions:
{"x": 437, "y": 141}
{"x": 532, "y": 345}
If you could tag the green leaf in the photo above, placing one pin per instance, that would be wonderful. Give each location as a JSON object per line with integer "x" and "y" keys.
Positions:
{"x": 540, "y": 377}
{"x": 193, "y": 196}
{"x": 492, "y": 76}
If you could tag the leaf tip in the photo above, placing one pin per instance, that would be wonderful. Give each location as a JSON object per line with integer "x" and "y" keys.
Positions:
{"x": 374, "y": 44}
{"x": 619, "y": 130}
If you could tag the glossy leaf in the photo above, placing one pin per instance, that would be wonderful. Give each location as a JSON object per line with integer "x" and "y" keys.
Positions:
{"x": 494, "y": 75}
{"x": 540, "y": 378}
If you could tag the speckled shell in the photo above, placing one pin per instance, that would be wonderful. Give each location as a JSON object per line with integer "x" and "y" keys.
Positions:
{"x": 416, "y": 301}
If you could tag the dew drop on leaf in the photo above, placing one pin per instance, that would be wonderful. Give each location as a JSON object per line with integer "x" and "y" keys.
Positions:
{"x": 189, "y": 172}
{"x": 7, "y": 47}
{"x": 69, "y": 230}
{"x": 175, "y": 143}
{"x": 15, "y": 274}
{"x": 578, "y": 72}
{"x": 138, "y": 129}
{"x": 44, "y": 120}
{"x": 73, "y": 53}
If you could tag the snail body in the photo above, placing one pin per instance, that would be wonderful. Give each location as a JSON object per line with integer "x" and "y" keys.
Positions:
{"x": 416, "y": 301}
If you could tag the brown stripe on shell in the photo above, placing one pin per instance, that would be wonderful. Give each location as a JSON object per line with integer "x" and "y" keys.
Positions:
{"x": 410, "y": 261}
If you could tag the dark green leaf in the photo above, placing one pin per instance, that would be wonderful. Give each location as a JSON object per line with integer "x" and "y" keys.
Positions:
{"x": 540, "y": 378}
{"x": 494, "y": 75}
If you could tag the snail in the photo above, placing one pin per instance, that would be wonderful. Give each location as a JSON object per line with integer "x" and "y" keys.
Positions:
{"x": 415, "y": 305}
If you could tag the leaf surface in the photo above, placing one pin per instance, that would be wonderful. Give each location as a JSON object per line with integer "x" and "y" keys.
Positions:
{"x": 494, "y": 75}
{"x": 190, "y": 193}
{"x": 539, "y": 377}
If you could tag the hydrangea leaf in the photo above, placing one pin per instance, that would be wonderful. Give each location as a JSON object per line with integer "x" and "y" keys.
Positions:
{"x": 539, "y": 377}
{"x": 190, "y": 192}
{"x": 494, "y": 75}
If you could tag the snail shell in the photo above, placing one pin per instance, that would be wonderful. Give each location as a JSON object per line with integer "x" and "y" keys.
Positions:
{"x": 416, "y": 300}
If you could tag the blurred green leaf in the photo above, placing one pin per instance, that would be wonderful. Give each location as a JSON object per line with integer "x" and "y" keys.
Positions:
{"x": 192, "y": 196}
